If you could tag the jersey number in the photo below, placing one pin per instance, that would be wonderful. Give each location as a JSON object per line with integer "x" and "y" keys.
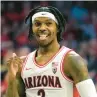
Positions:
{"x": 41, "y": 93}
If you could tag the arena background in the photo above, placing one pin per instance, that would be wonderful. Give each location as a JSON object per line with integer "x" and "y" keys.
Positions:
{"x": 80, "y": 33}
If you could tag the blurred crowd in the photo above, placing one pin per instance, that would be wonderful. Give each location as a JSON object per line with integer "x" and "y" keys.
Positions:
{"x": 80, "y": 32}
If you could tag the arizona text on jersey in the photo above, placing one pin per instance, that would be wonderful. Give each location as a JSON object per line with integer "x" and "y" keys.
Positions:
{"x": 49, "y": 79}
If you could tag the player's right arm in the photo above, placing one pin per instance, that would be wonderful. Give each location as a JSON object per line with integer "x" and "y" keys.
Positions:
{"x": 15, "y": 83}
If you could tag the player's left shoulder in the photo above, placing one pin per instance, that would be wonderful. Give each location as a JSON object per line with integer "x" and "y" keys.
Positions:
{"x": 74, "y": 57}
{"x": 74, "y": 61}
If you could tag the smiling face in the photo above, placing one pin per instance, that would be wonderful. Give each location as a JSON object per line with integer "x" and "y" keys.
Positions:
{"x": 44, "y": 30}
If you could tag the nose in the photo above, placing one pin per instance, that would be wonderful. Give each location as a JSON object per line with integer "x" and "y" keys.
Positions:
{"x": 42, "y": 27}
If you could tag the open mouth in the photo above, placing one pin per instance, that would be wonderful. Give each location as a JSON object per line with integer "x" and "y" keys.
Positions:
{"x": 43, "y": 36}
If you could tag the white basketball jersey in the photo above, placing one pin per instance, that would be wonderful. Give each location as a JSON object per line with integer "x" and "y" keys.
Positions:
{"x": 49, "y": 79}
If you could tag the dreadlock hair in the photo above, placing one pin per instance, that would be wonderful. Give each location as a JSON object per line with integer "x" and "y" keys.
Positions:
{"x": 58, "y": 15}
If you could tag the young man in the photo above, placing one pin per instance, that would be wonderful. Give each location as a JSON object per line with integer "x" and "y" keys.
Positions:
{"x": 52, "y": 70}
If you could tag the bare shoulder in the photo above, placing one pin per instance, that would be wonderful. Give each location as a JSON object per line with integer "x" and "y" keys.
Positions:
{"x": 73, "y": 57}
{"x": 77, "y": 66}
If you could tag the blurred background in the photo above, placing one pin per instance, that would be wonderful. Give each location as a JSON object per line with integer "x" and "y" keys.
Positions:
{"x": 80, "y": 33}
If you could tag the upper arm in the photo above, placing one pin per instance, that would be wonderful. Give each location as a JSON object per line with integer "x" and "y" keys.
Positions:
{"x": 76, "y": 66}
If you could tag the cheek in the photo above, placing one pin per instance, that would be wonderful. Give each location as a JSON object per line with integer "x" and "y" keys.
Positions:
{"x": 53, "y": 34}
{"x": 34, "y": 29}
{"x": 54, "y": 31}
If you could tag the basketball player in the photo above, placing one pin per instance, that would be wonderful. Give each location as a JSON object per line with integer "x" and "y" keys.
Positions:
{"x": 51, "y": 70}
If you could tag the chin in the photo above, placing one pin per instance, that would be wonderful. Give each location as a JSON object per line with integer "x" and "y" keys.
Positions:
{"x": 45, "y": 44}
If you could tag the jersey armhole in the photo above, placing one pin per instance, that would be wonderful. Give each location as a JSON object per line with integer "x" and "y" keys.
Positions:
{"x": 75, "y": 91}
{"x": 62, "y": 66}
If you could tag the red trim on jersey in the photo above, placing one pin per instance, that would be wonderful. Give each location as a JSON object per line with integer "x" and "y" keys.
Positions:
{"x": 24, "y": 64}
{"x": 62, "y": 67}
{"x": 42, "y": 65}
{"x": 75, "y": 92}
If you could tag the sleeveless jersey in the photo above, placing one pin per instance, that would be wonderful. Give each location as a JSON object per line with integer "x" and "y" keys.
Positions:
{"x": 49, "y": 79}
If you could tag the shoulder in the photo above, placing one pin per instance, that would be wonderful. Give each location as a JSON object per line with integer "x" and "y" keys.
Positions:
{"x": 71, "y": 55}
{"x": 74, "y": 57}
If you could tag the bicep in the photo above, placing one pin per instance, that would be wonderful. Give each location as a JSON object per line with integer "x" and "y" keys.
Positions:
{"x": 77, "y": 67}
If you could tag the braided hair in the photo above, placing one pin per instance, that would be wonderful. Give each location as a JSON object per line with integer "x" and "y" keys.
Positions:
{"x": 58, "y": 15}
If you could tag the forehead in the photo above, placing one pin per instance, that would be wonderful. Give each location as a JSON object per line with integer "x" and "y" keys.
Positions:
{"x": 40, "y": 19}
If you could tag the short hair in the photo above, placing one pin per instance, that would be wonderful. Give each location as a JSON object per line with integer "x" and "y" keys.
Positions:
{"x": 58, "y": 15}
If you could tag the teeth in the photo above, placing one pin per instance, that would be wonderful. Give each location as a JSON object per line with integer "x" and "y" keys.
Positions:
{"x": 42, "y": 37}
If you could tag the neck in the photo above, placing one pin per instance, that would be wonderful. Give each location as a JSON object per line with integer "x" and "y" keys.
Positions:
{"x": 52, "y": 48}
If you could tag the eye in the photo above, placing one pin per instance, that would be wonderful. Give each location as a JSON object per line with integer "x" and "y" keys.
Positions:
{"x": 48, "y": 23}
{"x": 37, "y": 24}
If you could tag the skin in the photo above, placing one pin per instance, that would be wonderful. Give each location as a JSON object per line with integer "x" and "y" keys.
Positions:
{"x": 15, "y": 83}
{"x": 75, "y": 66}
